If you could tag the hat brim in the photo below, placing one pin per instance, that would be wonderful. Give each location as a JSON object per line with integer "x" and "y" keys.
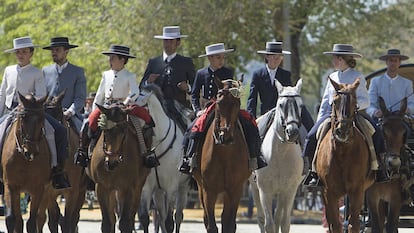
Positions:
{"x": 218, "y": 52}
{"x": 169, "y": 37}
{"x": 14, "y": 49}
{"x": 402, "y": 57}
{"x": 357, "y": 55}
{"x": 71, "y": 46}
{"x": 272, "y": 53}
{"x": 107, "y": 53}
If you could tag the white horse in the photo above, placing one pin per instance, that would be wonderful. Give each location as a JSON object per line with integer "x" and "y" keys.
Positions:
{"x": 281, "y": 178}
{"x": 165, "y": 185}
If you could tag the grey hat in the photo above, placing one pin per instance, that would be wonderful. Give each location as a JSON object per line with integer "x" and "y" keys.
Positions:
{"x": 273, "y": 48}
{"x": 215, "y": 49}
{"x": 119, "y": 50}
{"x": 21, "y": 43}
{"x": 170, "y": 32}
{"x": 343, "y": 49}
{"x": 393, "y": 53}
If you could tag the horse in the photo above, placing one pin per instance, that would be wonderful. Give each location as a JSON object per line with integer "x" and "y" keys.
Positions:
{"x": 117, "y": 167}
{"x": 25, "y": 162}
{"x": 343, "y": 159}
{"x": 282, "y": 151}
{"x": 74, "y": 196}
{"x": 385, "y": 199}
{"x": 165, "y": 185}
{"x": 223, "y": 161}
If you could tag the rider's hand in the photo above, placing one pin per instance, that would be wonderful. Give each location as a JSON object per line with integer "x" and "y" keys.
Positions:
{"x": 378, "y": 113}
{"x": 183, "y": 86}
{"x": 67, "y": 114}
{"x": 199, "y": 113}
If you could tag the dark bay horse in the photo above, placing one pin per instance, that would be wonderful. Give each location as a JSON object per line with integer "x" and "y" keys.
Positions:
{"x": 343, "y": 159}
{"x": 224, "y": 160}
{"x": 117, "y": 167}
{"x": 25, "y": 162}
{"x": 385, "y": 199}
{"x": 74, "y": 196}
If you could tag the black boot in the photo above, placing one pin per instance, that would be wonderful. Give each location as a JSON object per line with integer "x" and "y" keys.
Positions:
{"x": 261, "y": 162}
{"x": 59, "y": 177}
{"x": 151, "y": 160}
{"x": 185, "y": 165}
{"x": 312, "y": 179}
{"x": 81, "y": 157}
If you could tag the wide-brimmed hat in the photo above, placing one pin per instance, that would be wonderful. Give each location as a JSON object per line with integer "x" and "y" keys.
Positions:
{"x": 60, "y": 42}
{"x": 21, "y": 43}
{"x": 394, "y": 53}
{"x": 215, "y": 49}
{"x": 343, "y": 49}
{"x": 120, "y": 50}
{"x": 273, "y": 48}
{"x": 170, "y": 32}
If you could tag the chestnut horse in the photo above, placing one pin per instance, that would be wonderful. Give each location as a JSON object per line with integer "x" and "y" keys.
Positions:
{"x": 223, "y": 160}
{"x": 283, "y": 174}
{"x": 117, "y": 167}
{"x": 343, "y": 159}
{"x": 74, "y": 196}
{"x": 25, "y": 162}
{"x": 385, "y": 199}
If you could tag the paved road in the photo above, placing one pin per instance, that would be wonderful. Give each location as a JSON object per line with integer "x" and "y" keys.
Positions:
{"x": 196, "y": 227}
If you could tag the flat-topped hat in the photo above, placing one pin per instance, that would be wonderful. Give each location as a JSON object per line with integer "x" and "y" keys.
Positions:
{"x": 170, "y": 32}
{"x": 394, "y": 53}
{"x": 21, "y": 43}
{"x": 343, "y": 49}
{"x": 119, "y": 50}
{"x": 273, "y": 48}
{"x": 60, "y": 42}
{"x": 215, "y": 49}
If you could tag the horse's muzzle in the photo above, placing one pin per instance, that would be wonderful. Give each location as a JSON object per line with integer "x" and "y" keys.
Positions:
{"x": 112, "y": 163}
{"x": 393, "y": 162}
{"x": 292, "y": 134}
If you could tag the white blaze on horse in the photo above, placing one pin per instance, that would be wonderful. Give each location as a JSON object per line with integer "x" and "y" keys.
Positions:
{"x": 165, "y": 185}
{"x": 281, "y": 178}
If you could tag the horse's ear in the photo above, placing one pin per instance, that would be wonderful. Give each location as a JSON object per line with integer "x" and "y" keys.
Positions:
{"x": 61, "y": 94}
{"x": 356, "y": 83}
{"x": 403, "y": 106}
{"x": 382, "y": 106}
{"x": 336, "y": 85}
{"x": 218, "y": 82}
{"x": 279, "y": 86}
{"x": 299, "y": 85}
{"x": 22, "y": 98}
{"x": 102, "y": 108}
{"x": 43, "y": 99}
{"x": 241, "y": 79}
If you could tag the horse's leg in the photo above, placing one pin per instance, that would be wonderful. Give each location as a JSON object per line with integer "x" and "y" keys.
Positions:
{"x": 181, "y": 200}
{"x": 14, "y": 221}
{"x": 108, "y": 211}
{"x": 285, "y": 203}
{"x": 54, "y": 216}
{"x": 143, "y": 211}
{"x": 209, "y": 202}
{"x": 161, "y": 200}
{"x": 231, "y": 204}
{"x": 256, "y": 198}
{"x": 393, "y": 215}
{"x": 125, "y": 203}
{"x": 36, "y": 199}
{"x": 374, "y": 207}
{"x": 41, "y": 217}
{"x": 266, "y": 203}
{"x": 74, "y": 203}
{"x": 332, "y": 212}
{"x": 356, "y": 199}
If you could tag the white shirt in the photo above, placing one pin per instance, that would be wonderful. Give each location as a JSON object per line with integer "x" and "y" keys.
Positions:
{"x": 272, "y": 74}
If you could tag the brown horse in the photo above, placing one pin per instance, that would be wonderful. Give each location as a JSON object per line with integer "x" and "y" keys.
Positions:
{"x": 25, "y": 162}
{"x": 385, "y": 199}
{"x": 117, "y": 167}
{"x": 224, "y": 160}
{"x": 74, "y": 196}
{"x": 343, "y": 159}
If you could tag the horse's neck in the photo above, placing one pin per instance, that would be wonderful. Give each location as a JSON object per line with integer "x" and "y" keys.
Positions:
{"x": 162, "y": 122}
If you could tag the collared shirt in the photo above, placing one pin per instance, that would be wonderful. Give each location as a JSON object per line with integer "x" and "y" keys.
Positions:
{"x": 59, "y": 68}
{"x": 392, "y": 90}
{"x": 347, "y": 76}
{"x": 272, "y": 74}
{"x": 168, "y": 57}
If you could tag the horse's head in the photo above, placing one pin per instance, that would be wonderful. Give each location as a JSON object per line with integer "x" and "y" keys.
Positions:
{"x": 227, "y": 110}
{"x": 344, "y": 108}
{"x": 53, "y": 106}
{"x": 30, "y": 125}
{"x": 288, "y": 111}
{"x": 114, "y": 125}
{"x": 394, "y": 134}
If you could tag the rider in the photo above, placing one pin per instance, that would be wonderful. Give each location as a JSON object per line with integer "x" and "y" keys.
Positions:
{"x": 116, "y": 85}
{"x": 343, "y": 59}
{"x": 204, "y": 80}
{"x": 173, "y": 72}
{"x": 26, "y": 79}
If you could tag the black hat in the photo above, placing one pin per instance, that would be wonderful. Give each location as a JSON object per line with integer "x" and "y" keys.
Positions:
{"x": 394, "y": 53}
{"x": 60, "y": 42}
{"x": 273, "y": 48}
{"x": 120, "y": 50}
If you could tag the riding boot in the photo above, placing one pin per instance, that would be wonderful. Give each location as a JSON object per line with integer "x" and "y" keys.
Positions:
{"x": 185, "y": 165}
{"x": 312, "y": 179}
{"x": 381, "y": 176}
{"x": 59, "y": 177}
{"x": 81, "y": 157}
{"x": 150, "y": 160}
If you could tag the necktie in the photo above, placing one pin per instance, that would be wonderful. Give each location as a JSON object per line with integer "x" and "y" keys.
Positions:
{"x": 272, "y": 77}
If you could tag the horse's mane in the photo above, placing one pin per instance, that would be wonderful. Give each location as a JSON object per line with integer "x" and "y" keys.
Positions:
{"x": 158, "y": 93}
